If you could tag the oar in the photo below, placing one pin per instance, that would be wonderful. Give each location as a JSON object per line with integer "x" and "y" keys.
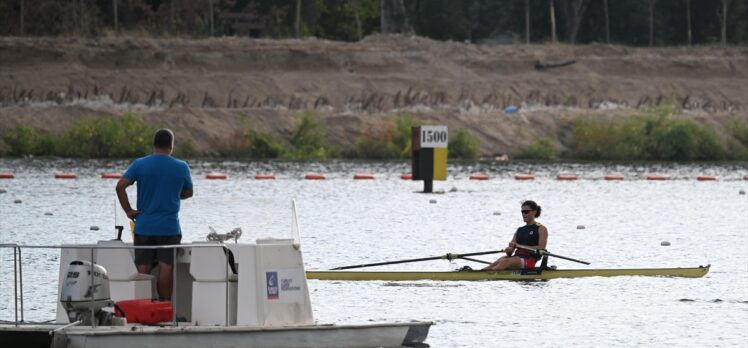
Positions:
{"x": 545, "y": 252}
{"x": 449, "y": 257}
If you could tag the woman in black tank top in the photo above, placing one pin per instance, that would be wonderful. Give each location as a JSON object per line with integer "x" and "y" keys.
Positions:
{"x": 533, "y": 234}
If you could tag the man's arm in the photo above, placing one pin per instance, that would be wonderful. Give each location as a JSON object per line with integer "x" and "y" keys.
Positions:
{"x": 186, "y": 193}
{"x": 124, "y": 201}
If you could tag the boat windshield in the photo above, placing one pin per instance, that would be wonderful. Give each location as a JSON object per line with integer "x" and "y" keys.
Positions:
{"x": 258, "y": 218}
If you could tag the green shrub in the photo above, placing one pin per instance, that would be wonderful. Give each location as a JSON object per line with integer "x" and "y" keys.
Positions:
{"x": 185, "y": 149}
{"x": 740, "y": 130}
{"x": 375, "y": 148}
{"x": 251, "y": 144}
{"x": 108, "y": 137}
{"x": 654, "y": 135}
{"x": 542, "y": 149}
{"x": 21, "y": 140}
{"x": 308, "y": 140}
{"x": 90, "y": 138}
{"x": 402, "y": 134}
{"x": 612, "y": 140}
{"x": 464, "y": 145}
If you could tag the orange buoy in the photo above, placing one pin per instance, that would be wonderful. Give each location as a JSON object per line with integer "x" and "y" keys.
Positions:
{"x": 111, "y": 175}
{"x": 479, "y": 177}
{"x": 613, "y": 177}
{"x": 13, "y": 176}
{"x": 362, "y": 176}
{"x": 524, "y": 177}
{"x": 706, "y": 178}
{"x": 65, "y": 176}
{"x": 216, "y": 176}
{"x": 314, "y": 176}
{"x": 566, "y": 177}
{"x": 410, "y": 177}
{"x": 265, "y": 177}
{"x": 657, "y": 177}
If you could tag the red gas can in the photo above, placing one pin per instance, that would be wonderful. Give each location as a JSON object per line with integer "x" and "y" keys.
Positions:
{"x": 144, "y": 311}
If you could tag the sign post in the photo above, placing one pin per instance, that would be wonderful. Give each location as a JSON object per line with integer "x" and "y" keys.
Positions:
{"x": 429, "y": 154}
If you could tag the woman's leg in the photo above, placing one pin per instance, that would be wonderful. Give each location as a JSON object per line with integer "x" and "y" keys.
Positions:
{"x": 506, "y": 262}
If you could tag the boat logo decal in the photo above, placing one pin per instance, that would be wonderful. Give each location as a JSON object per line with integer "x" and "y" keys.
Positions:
{"x": 286, "y": 285}
{"x": 272, "y": 285}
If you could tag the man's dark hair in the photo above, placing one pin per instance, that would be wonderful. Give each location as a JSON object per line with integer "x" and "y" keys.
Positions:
{"x": 163, "y": 138}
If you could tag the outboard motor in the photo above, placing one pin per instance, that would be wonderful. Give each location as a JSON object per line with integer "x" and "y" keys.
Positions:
{"x": 83, "y": 300}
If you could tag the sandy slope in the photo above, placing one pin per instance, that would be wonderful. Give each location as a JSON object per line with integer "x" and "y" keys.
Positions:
{"x": 207, "y": 89}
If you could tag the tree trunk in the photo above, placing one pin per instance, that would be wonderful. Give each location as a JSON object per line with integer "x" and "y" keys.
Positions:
{"x": 393, "y": 18}
{"x": 356, "y": 8}
{"x": 572, "y": 13}
{"x": 22, "y": 15}
{"x": 553, "y": 22}
{"x": 210, "y": 13}
{"x": 607, "y": 22}
{"x": 725, "y": 4}
{"x": 116, "y": 20}
{"x": 527, "y": 22}
{"x": 688, "y": 21}
{"x": 172, "y": 16}
{"x": 297, "y": 22}
{"x": 651, "y": 22}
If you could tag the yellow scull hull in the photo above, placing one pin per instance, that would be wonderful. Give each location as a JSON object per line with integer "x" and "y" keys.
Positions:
{"x": 694, "y": 272}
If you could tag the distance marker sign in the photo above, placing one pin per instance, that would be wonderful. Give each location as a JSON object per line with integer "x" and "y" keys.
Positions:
{"x": 429, "y": 156}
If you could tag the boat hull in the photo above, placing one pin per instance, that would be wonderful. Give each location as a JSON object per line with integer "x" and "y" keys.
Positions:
{"x": 343, "y": 336}
{"x": 694, "y": 272}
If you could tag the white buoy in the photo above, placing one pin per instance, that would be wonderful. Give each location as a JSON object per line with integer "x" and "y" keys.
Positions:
{"x": 17, "y": 201}
{"x": 580, "y": 227}
{"x": 432, "y": 201}
{"x": 94, "y": 228}
{"x": 665, "y": 243}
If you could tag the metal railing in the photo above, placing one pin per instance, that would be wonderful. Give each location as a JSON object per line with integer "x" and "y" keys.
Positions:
{"x": 18, "y": 272}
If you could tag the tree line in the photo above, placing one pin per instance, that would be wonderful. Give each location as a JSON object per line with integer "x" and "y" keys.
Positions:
{"x": 629, "y": 22}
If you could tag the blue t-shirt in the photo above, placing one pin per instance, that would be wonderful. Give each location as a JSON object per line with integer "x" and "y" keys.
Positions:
{"x": 160, "y": 179}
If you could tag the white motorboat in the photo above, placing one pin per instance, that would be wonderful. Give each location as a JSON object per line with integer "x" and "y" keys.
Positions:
{"x": 225, "y": 295}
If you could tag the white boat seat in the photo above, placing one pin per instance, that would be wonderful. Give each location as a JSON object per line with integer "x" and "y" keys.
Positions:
{"x": 125, "y": 282}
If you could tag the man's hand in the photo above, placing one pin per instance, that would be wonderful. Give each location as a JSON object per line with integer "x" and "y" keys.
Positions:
{"x": 132, "y": 214}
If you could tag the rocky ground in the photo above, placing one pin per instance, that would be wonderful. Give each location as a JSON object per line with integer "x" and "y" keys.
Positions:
{"x": 207, "y": 89}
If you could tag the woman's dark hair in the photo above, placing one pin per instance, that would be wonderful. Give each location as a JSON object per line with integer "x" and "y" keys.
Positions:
{"x": 163, "y": 138}
{"x": 533, "y": 206}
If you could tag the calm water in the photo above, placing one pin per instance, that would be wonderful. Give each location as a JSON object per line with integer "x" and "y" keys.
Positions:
{"x": 350, "y": 222}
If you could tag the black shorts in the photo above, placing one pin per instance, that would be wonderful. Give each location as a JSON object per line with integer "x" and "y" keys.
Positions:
{"x": 150, "y": 256}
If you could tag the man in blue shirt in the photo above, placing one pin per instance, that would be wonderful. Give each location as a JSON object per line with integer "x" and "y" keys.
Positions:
{"x": 162, "y": 182}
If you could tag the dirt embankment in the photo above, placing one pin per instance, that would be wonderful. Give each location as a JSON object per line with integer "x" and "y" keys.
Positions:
{"x": 207, "y": 89}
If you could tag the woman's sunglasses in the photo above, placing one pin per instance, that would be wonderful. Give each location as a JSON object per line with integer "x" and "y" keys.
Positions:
{"x": 525, "y": 211}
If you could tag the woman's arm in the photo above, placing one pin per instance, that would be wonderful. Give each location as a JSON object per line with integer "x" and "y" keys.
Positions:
{"x": 510, "y": 248}
{"x": 543, "y": 238}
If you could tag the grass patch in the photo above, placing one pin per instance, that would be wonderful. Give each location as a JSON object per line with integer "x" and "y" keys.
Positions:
{"x": 542, "y": 149}
{"x": 654, "y": 135}
{"x": 309, "y": 141}
{"x": 464, "y": 145}
{"x": 393, "y": 141}
{"x": 89, "y": 138}
{"x": 252, "y": 144}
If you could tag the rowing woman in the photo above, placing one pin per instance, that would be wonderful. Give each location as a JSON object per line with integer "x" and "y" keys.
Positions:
{"x": 532, "y": 234}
